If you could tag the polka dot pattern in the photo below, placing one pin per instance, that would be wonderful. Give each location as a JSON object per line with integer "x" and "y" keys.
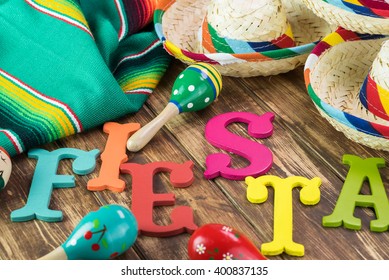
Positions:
{"x": 196, "y": 87}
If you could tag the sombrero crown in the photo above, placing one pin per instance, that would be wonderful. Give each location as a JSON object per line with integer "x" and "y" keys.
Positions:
{"x": 242, "y": 38}
{"x": 231, "y": 26}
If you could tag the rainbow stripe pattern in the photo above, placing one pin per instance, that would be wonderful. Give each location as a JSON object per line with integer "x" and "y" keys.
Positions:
{"x": 370, "y": 8}
{"x": 137, "y": 77}
{"x": 48, "y": 119}
{"x": 139, "y": 13}
{"x": 222, "y": 58}
{"x": 123, "y": 19}
{"x": 375, "y": 98}
{"x": 68, "y": 11}
{"x": 75, "y": 78}
{"x": 341, "y": 36}
{"x": 214, "y": 43}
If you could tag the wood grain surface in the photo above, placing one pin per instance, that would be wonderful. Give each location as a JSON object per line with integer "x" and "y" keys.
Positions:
{"x": 303, "y": 144}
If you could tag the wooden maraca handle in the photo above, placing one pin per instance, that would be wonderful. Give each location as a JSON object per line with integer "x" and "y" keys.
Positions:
{"x": 194, "y": 89}
{"x": 140, "y": 138}
{"x": 100, "y": 235}
{"x": 5, "y": 167}
{"x": 57, "y": 254}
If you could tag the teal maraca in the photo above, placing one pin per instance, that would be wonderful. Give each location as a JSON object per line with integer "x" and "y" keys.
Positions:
{"x": 100, "y": 235}
{"x": 195, "y": 88}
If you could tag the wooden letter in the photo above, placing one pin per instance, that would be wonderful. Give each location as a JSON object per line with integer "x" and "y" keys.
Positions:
{"x": 260, "y": 157}
{"x": 114, "y": 154}
{"x": 46, "y": 178}
{"x": 361, "y": 170}
{"x": 144, "y": 199}
{"x": 283, "y": 213}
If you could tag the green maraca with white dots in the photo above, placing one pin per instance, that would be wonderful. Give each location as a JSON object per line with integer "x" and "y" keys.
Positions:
{"x": 194, "y": 89}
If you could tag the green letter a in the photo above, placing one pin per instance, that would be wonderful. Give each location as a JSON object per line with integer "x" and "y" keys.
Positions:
{"x": 361, "y": 170}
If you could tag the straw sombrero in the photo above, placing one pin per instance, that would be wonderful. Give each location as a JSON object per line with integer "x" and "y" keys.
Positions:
{"x": 364, "y": 16}
{"x": 347, "y": 77}
{"x": 241, "y": 38}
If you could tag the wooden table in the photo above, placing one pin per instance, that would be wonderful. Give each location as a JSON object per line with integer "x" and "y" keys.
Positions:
{"x": 303, "y": 144}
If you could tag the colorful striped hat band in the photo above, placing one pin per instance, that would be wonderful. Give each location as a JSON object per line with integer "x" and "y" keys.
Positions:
{"x": 372, "y": 8}
{"x": 230, "y": 28}
{"x": 374, "y": 93}
{"x": 335, "y": 73}
{"x": 362, "y": 16}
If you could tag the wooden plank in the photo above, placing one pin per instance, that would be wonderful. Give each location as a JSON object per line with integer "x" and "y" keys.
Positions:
{"x": 303, "y": 144}
{"x": 291, "y": 157}
{"x": 33, "y": 239}
{"x": 322, "y": 141}
{"x": 208, "y": 202}
{"x": 303, "y": 119}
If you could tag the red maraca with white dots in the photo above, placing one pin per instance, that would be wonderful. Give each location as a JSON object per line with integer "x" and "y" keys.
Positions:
{"x": 194, "y": 89}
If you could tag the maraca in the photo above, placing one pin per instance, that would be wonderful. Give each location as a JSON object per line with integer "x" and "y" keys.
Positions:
{"x": 5, "y": 168}
{"x": 100, "y": 235}
{"x": 194, "y": 89}
{"x": 221, "y": 242}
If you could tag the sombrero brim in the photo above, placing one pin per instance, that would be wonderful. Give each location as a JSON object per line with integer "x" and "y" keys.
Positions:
{"x": 177, "y": 23}
{"x": 334, "y": 73}
{"x": 349, "y": 19}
